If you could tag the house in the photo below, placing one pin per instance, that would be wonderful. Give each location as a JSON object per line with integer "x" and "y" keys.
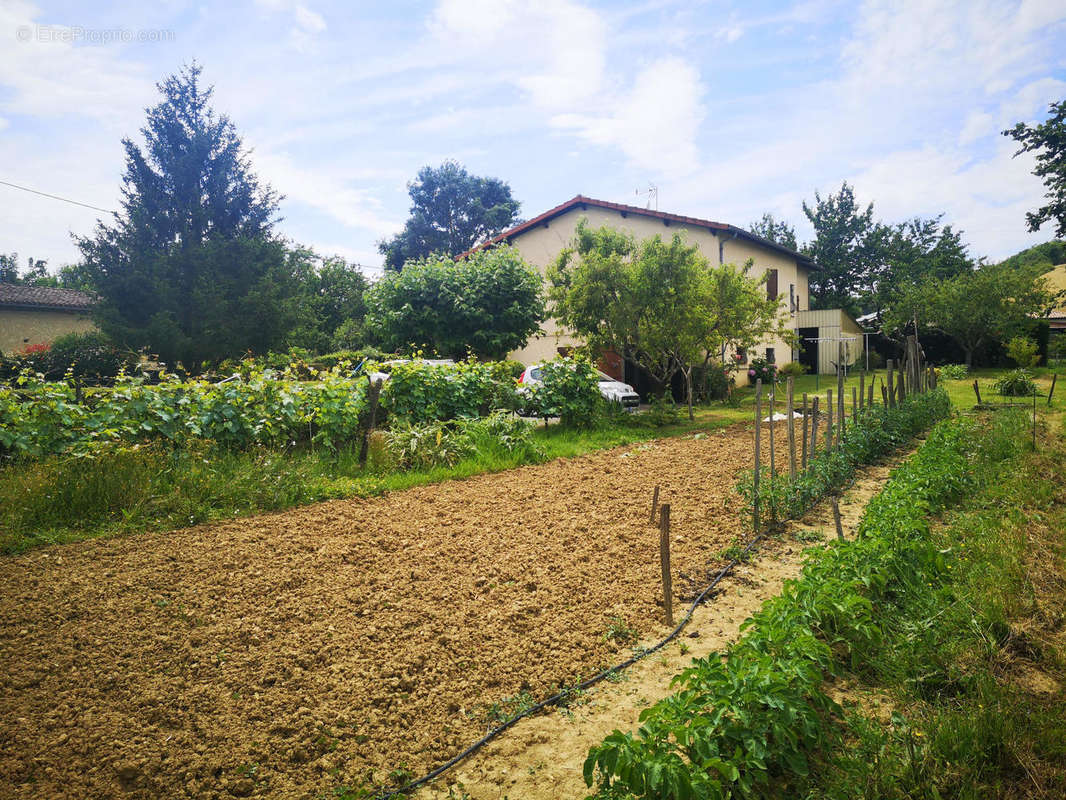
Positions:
{"x": 540, "y": 240}
{"x": 31, "y": 315}
{"x": 1056, "y": 281}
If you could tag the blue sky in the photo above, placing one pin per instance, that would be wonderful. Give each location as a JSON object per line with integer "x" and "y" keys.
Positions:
{"x": 729, "y": 108}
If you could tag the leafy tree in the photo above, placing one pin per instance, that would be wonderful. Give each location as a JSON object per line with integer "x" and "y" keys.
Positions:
{"x": 488, "y": 303}
{"x": 847, "y": 248}
{"x": 974, "y": 307}
{"x": 189, "y": 267}
{"x": 911, "y": 252}
{"x": 9, "y": 267}
{"x": 331, "y": 295}
{"x": 658, "y": 303}
{"x": 1048, "y": 141}
{"x": 451, "y": 212}
{"x": 776, "y": 231}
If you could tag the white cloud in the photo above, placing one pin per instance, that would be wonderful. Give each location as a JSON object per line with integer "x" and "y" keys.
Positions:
{"x": 307, "y": 24}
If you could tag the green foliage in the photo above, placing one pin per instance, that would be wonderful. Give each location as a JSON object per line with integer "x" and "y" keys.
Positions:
{"x": 88, "y": 357}
{"x": 331, "y": 304}
{"x": 419, "y": 392}
{"x": 953, "y": 372}
{"x": 776, "y": 231}
{"x": 487, "y": 304}
{"x": 659, "y": 303}
{"x": 974, "y": 307}
{"x": 744, "y": 723}
{"x": 880, "y": 430}
{"x": 190, "y": 268}
{"x": 1048, "y": 141}
{"x": 451, "y": 211}
{"x": 1016, "y": 383}
{"x": 1023, "y": 351}
{"x": 1042, "y": 256}
{"x": 434, "y": 444}
{"x": 569, "y": 389}
{"x": 793, "y": 369}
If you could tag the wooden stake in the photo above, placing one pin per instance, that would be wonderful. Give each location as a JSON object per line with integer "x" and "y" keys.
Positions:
{"x": 1051, "y": 392}
{"x": 836, "y": 519}
{"x": 373, "y": 393}
{"x": 664, "y": 559}
{"x": 884, "y": 395}
{"x": 891, "y": 383}
{"x": 814, "y": 429}
{"x": 870, "y": 399}
{"x": 828, "y": 419}
{"x": 791, "y": 430}
{"x": 842, "y": 419}
{"x": 758, "y": 437}
{"x": 862, "y": 389}
{"x": 654, "y": 504}
{"x": 773, "y": 463}
{"x": 977, "y": 391}
{"x": 854, "y": 405}
{"x": 806, "y": 426}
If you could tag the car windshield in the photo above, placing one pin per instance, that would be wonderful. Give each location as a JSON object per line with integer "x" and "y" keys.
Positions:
{"x": 535, "y": 374}
{"x": 604, "y": 377}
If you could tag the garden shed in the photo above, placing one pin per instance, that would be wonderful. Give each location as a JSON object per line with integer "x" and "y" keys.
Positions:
{"x": 822, "y": 333}
{"x": 34, "y": 315}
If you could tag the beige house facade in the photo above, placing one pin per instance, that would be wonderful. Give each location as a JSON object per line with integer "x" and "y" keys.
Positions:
{"x": 35, "y": 315}
{"x": 542, "y": 238}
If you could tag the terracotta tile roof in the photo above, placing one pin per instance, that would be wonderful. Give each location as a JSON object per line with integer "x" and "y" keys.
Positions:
{"x": 580, "y": 201}
{"x": 45, "y": 297}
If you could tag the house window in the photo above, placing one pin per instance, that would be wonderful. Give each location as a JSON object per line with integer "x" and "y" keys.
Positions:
{"x": 771, "y": 284}
{"x": 770, "y": 357}
{"x": 742, "y": 355}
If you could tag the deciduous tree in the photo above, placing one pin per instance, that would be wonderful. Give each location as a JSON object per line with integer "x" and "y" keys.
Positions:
{"x": 451, "y": 212}
{"x": 1048, "y": 141}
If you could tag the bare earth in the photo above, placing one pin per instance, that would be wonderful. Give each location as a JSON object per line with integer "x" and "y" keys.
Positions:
{"x": 541, "y": 758}
{"x": 290, "y": 654}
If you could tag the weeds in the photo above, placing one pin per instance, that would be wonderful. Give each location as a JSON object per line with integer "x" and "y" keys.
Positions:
{"x": 620, "y": 632}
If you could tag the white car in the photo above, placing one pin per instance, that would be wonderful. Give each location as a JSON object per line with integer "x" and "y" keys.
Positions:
{"x": 612, "y": 390}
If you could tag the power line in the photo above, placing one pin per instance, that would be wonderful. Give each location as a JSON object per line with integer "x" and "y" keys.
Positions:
{"x": 56, "y": 197}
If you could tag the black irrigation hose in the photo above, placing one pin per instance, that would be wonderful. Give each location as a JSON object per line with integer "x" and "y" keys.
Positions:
{"x": 565, "y": 693}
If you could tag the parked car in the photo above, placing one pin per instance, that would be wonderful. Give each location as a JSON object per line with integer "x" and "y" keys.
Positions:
{"x": 382, "y": 373}
{"x": 612, "y": 390}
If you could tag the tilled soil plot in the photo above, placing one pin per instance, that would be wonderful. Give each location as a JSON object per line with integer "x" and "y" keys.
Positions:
{"x": 290, "y": 654}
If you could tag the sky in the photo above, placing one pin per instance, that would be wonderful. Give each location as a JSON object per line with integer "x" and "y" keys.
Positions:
{"x": 729, "y": 109}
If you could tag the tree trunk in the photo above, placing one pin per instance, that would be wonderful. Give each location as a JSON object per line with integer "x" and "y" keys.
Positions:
{"x": 688, "y": 392}
{"x": 969, "y": 357}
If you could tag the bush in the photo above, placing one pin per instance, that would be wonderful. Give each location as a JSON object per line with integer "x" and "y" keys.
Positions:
{"x": 418, "y": 392}
{"x": 1023, "y": 352}
{"x": 877, "y": 361}
{"x": 761, "y": 369}
{"x": 793, "y": 369}
{"x": 570, "y": 390}
{"x": 350, "y": 335}
{"x": 954, "y": 372}
{"x": 1016, "y": 383}
{"x": 717, "y": 382}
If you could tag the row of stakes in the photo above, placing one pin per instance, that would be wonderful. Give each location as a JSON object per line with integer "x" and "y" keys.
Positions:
{"x": 902, "y": 379}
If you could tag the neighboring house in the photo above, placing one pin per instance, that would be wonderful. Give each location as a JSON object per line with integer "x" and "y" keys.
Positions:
{"x": 32, "y": 315}
{"x": 540, "y": 240}
{"x": 1056, "y": 280}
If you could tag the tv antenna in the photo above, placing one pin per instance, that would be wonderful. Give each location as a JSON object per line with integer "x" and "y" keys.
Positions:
{"x": 652, "y": 193}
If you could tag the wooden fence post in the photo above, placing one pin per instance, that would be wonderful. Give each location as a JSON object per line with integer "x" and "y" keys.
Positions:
{"x": 854, "y": 406}
{"x": 842, "y": 418}
{"x": 977, "y": 391}
{"x": 758, "y": 437}
{"x": 828, "y": 419}
{"x": 806, "y": 427}
{"x": 870, "y": 399}
{"x": 814, "y": 429}
{"x": 862, "y": 389}
{"x": 664, "y": 559}
{"x": 373, "y": 393}
{"x": 891, "y": 383}
{"x": 791, "y": 429}
{"x": 773, "y": 462}
{"x": 654, "y": 503}
{"x": 1051, "y": 391}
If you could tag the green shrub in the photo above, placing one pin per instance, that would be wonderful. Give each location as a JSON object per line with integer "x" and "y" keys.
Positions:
{"x": 954, "y": 372}
{"x": 761, "y": 369}
{"x": 876, "y": 360}
{"x": 1023, "y": 352}
{"x": 661, "y": 411}
{"x": 793, "y": 369}
{"x": 419, "y": 392}
{"x": 718, "y": 380}
{"x": 1016, "y": 383}
{"x": 569, "y": 389}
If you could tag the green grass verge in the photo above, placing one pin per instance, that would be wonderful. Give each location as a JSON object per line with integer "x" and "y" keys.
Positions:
{"x": 761, "y": 720}
{"x": 153, "y": 487}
